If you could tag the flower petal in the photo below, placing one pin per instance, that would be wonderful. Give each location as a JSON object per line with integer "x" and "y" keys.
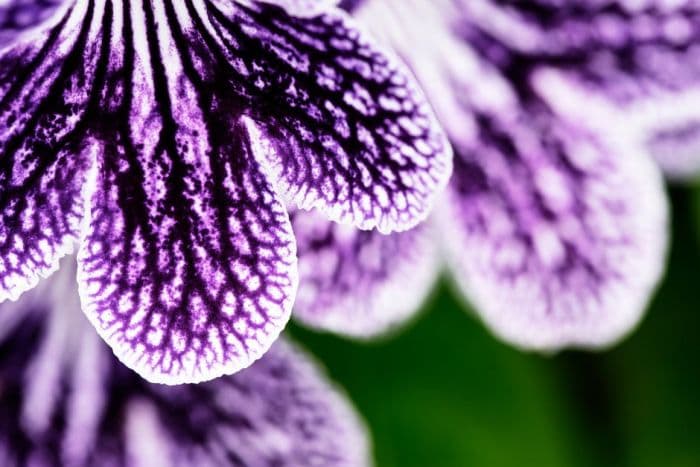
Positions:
{"x": 556, "y": 235}
{"x": 354, "y": 136}
{"x": 43, "y": 168}
{"x": 192, "y": 278}
{"x": 68, "y": 401}
{"x": 360, "y": 283}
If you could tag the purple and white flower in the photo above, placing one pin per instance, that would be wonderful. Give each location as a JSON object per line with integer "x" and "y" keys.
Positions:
{"x": 164, "y": 138}
{"x": 67, "y": 401}
{"x": 555, "y": 222}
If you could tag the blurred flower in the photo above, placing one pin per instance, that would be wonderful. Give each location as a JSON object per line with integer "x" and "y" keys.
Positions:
{"x": 67, "y": 401}
{"x": 555, "y": 221}
{"x": 162, "y": 136}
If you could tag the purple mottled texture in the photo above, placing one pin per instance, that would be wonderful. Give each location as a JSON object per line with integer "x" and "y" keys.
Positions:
{"x": 360, "y": 283}
{"x": 68, "y": 402}
{"x": 163, "y": 134}
{"x": 555, "y": 226}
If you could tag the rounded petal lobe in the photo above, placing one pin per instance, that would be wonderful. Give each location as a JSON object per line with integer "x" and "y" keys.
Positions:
{"x": 68, "y": 401}
{"x": 361, "y": 283}
{"x": 355, "y": 137}
{"x": 556, "y": 235}
{"x": 189, "y": 278}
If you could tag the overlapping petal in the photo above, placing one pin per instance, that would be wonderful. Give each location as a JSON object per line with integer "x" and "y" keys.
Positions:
{"x": 68, "y": 401}
{"x": 157, "y": 131}
{"x": 555, "y": 227}
{"x": 360, "y": 283}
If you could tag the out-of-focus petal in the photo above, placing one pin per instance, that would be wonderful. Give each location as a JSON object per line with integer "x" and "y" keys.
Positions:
{"x": 640, "y": 60}
{"x": 556, "y": 235}
{"x": 555, "y": 227}
{"x": 637, "y": 62}
{"x": 68, "y": 402}
{"x": 360, "y": 283}
{"x": 20, "y": 16}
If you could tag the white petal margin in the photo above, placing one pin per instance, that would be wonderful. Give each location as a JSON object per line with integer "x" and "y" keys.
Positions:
{"x": 583, "y": 277}
{"x": 302, "y": 8}
{"x": 361, "y": 283}
{"x": 69, "y": 402}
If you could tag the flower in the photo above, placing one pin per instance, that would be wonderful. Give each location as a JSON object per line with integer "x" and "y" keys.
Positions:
{"x": 165, "y": 137}
{"x": 555, "y": 222}
{"x": 67, "y": 401}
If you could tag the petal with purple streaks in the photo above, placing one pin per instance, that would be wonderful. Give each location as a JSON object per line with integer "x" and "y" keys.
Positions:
{"x": 360, "y": 283}
{"x": 189, "y": 279}
{"x": 43, "y": 167}
{"x": 557, "y": 236}
{"x": 68, "y": 401}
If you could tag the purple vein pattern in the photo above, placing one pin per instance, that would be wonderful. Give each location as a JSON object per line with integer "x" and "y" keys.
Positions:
{"x": 554, "y": 225}
{"x": 165, "y": 136}
{"x": 361, "y": 283}
{"x": 67, "y": 401}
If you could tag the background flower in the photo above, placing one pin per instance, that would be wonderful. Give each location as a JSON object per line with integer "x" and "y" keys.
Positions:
{"x": 555, "y": 220}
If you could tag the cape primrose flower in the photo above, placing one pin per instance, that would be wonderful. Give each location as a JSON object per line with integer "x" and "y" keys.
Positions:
{"x": 67, "y": 401}
{"x": 554, "y": 223}
{"x": 165, "y": 137}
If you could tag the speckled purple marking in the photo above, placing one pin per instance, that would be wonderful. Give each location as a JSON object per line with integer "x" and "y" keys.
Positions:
{"x": 179, "y": 123}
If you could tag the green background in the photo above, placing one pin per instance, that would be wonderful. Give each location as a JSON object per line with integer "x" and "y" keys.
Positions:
{"x": 444, "y": 392}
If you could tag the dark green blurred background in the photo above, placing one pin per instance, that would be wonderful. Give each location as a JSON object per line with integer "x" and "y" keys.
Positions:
{"x": 444, "y": 392}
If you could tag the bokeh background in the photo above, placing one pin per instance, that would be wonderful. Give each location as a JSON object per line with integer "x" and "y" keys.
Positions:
{"x": 443, "y": 392}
